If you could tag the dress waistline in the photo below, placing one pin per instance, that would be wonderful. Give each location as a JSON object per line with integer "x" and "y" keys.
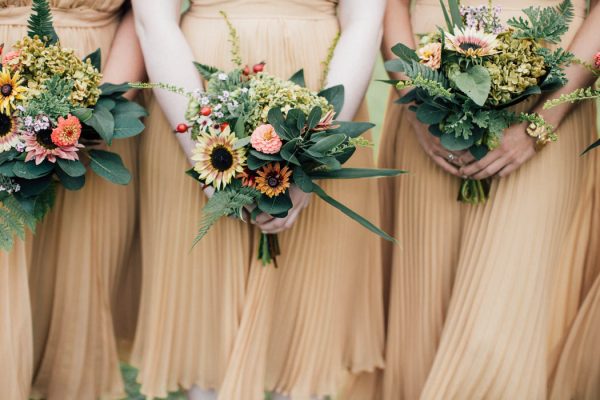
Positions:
{"x": 63, "y": 18}
{"x": 263, "y": 11}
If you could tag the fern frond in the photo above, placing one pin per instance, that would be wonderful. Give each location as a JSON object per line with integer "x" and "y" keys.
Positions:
{"x": 40, "y": 22}
{"x": 222, "y": 204}
{"x": 575, "y": 96}
{"x": 548, "y": 23}
{"x": 556, "y": 61}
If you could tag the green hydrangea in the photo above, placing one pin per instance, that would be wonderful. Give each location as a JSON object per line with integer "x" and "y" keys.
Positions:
{"x": 268, "y": 91}
{"x": 516, "y": 67}
{"x": 38, "y": 63}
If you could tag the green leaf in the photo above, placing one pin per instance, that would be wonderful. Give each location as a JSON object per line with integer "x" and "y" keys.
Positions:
{"x": 84, "y": 114}
{"x": 456, "y": 143}
{"x": 276, "y": 119}
{"x": 240, "y": 128}
{"x": 591, "y": 146}
{"x": 302, "y": 180}
{"x": 455, "y": 13}
{"x": 475, "y": 83}
{"x": 103, "y": 123}
{"x": 395, "y": 65}
{"x": 126, "y": 126}
{"x": 6, "y": 169}
{"x": 35, "y": 187}
{"x": 356, "y": 173}
{"x": 345, "y": 154}
{"x": 110, "y": 89}
{"x": 243, "y": 142}
{"x": 328, "y": 143}
{"x": 314, "y": 117}
{"x": 255, "y": 163}
{"x": 449, "y": 24}
{"x": 107, "y": 103}
{"x": 40, "y": 22}
{"x": 278, "y": 205}
{"x": 335, "y": 97}
{"x": 206, "y": 70}
{"x": 29, "y": 170}
{"x": 95, "y": 58}
{"x": 430, "y": 115}
{"x": 130, "y": 109}
{"x": 109, "y": 166}
{"x": 353, "y": 129}
{"x": 298, "y": 78}
{"x": 288, "y": 151}
{"x": 405, "y": 53}
{"x": 266, "y": 157}
{"x": 330, "y": 162}
{"x": 361, "y": 220}
{"x": 74, "y": 168}
{"x": 295, "y": 120}
{"x": 478, "y": 151}
{"x": 70, "y": 182}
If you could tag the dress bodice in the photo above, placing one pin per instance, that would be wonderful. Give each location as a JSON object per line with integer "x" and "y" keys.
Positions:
{"x": 287, "y": 8}
{"x": 98, "y": 5}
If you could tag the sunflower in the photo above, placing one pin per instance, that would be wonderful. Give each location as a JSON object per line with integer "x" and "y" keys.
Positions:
{"x": 10, "y": 90}
{"x": 273, "y": 180}
{"x": 9, "y": 135}
{"x": 472, "y": 42}
{"x": 217, "y": 160}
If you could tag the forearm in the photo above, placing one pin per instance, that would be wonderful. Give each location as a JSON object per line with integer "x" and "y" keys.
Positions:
{"x": 397, "y": 28}
{"x": 169, "y": 59}
{"x": 585, "y": 45}
{"x": 356, "y": 51}
{"x": 125, "y": 62}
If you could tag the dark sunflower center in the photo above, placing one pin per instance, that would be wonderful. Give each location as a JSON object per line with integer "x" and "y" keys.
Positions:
{"x": 44, "y": 138}
{"x": 469, "y": 46}
{"x": 221, "y": 158}
{"x": 6, "y": 89}
{"x": 6, "y": 125}
{"x": 273, "y": 181}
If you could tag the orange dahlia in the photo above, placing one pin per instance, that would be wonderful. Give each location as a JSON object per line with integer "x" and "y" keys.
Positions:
{"x": 273, "y": 180}
{"x": 67, "y": 132}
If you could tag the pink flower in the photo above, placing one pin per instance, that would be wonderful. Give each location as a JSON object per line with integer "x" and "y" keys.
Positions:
{"x": 265, "y": 139}
{"x": 597, "y": 60}
{"x": 431, "y": 55}
{"x": 67, "y": 132}
{"x": 39, "y": 147}
{"x": 8, "y": 57}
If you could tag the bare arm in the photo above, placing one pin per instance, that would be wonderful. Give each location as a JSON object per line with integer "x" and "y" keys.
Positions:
{"x": 356, "y": 51}
{"x": 125, "y": 62}
{"x": 169, "y": 58}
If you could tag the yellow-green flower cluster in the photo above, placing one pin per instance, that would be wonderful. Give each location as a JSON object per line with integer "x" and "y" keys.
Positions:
{"x": 38, "y": 62}
{"x": 268, "y": 91}
{"x": 515, "y": 67}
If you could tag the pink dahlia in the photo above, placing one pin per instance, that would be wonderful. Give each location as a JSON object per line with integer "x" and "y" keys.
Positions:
{"x": 431, "y": 55}
{"x": 10, "y": 56}
{"x": 39, "y": 147}
{"x": 597, "y": 60}
{"x": 265, "y": 139}
{"x": 67, "y": 132}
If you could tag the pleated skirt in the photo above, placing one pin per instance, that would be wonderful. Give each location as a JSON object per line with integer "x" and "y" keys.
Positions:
{"x": 482, "y": 296}
{"x": 213, "y": 316}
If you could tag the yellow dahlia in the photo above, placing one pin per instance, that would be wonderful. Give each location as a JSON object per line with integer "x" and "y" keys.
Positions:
{"x": 273, "y": 180}
{"x": 10, "y": 90}
{"x": 9, "y": 135}
{"x": 217, "y": 162}
{"x": 471, "y": 42}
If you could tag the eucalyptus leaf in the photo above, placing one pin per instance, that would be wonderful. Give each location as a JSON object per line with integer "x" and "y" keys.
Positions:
{"x": 266, "y": 157}
{"x": 255, "y": 163}
{"x": 288, "y": 151}
{"x": 475, "y": 83}
{"x": 275, "y": 205}
{"x": 353, "y": 129}
{"x": 430, "y": 115}
{"x": 345, "y": 154}
{"x": 453, "y": 143}
{"x": 34, "y": 187}
{"x": 478, "y": 151}
{"x": 356, "y": 173}
{"x": 302, "y": 180}
{"x": 29, "y": 170}
{"x": 335, "y": 97}
{"x": 103, "y": 123}
{"x": 109, "y": 166}
{"x": 126, "y": 126}
{"x": 298, "y": 78}
{"x": 110, "y": 89}
{"x": 107, "y": 103}
{"x": 72, "y": 168}
{"x": 243, "y": 142}
{"x": 130, "y": 109}
{"x": 84, "y": 114}
{"x": 276, "y": 119}
{"x": 405, "y": 53}
{"x": 95, "y": 58}
{"x": 314, "y": 117}
{"x": 70, "y": 182}
{"x": 6, "y": 169}
{"x": 328, "y": 143}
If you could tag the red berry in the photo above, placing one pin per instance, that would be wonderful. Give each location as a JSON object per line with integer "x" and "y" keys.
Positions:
{"x": 224, "y": 126}
{"x": 206, "y": 111}
{"x": 258, "y": 67}
{"x": 181, "y": 128}
{"x": 246, "y": 70}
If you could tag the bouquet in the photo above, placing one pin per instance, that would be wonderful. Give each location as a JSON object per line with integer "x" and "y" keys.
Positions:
{"x": 581, "y": 94}
{"x": 52, "y": 109}
{"x": 257, "y": 134}
{"x": 465, "y": 78}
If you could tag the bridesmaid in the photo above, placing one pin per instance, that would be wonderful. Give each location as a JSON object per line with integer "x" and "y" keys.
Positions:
{"x": 213, "y": 318}
{"x": 81, "y": 247}
{"x": 482, "y": 296}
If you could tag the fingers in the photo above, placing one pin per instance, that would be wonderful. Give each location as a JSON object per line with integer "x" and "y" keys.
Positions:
{"x": 263, "y": 218}
{"x": 508, "y": 169}
{"x": 491, "y": 169}
{"x": 445, "y": 165}
{"x": 465, "y": 159}
{"x": 474, "y": 168}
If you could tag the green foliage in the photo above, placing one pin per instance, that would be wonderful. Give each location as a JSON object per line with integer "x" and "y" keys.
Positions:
{"x": 539, "y": 121}
{"x": 234, "y": 40}
{"x": 229, "y": 201}
{"x": 132, "y": 388}
{"x": 474, "y": 82}
{"x": 40, "y": 22}
{"x": 206, "y": 71}
{"x": 555, "y": 62}
{"x": 53, "y": 102}
{"x": 109, "y": 166}
{"x": 430, "y": 80}
{"x": 575, "y": 96}
{"x": 547, "y": 24}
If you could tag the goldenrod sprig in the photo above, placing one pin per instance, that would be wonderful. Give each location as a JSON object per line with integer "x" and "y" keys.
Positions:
{"x": 234, "y": 40}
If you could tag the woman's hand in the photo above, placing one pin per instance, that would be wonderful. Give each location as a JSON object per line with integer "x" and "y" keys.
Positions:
{"x": 270, "y": 225}
{"x": 449, "y": 161}
{"x": 515, "y": 149}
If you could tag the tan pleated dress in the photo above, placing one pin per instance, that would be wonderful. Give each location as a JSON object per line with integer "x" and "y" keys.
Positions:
{"x": 482, "y": 296}
{"x": 82, "y": 245}
{"x": 213, "y": 316}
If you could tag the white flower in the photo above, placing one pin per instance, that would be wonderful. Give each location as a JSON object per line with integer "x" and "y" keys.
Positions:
{"x": 222, "y": 76}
